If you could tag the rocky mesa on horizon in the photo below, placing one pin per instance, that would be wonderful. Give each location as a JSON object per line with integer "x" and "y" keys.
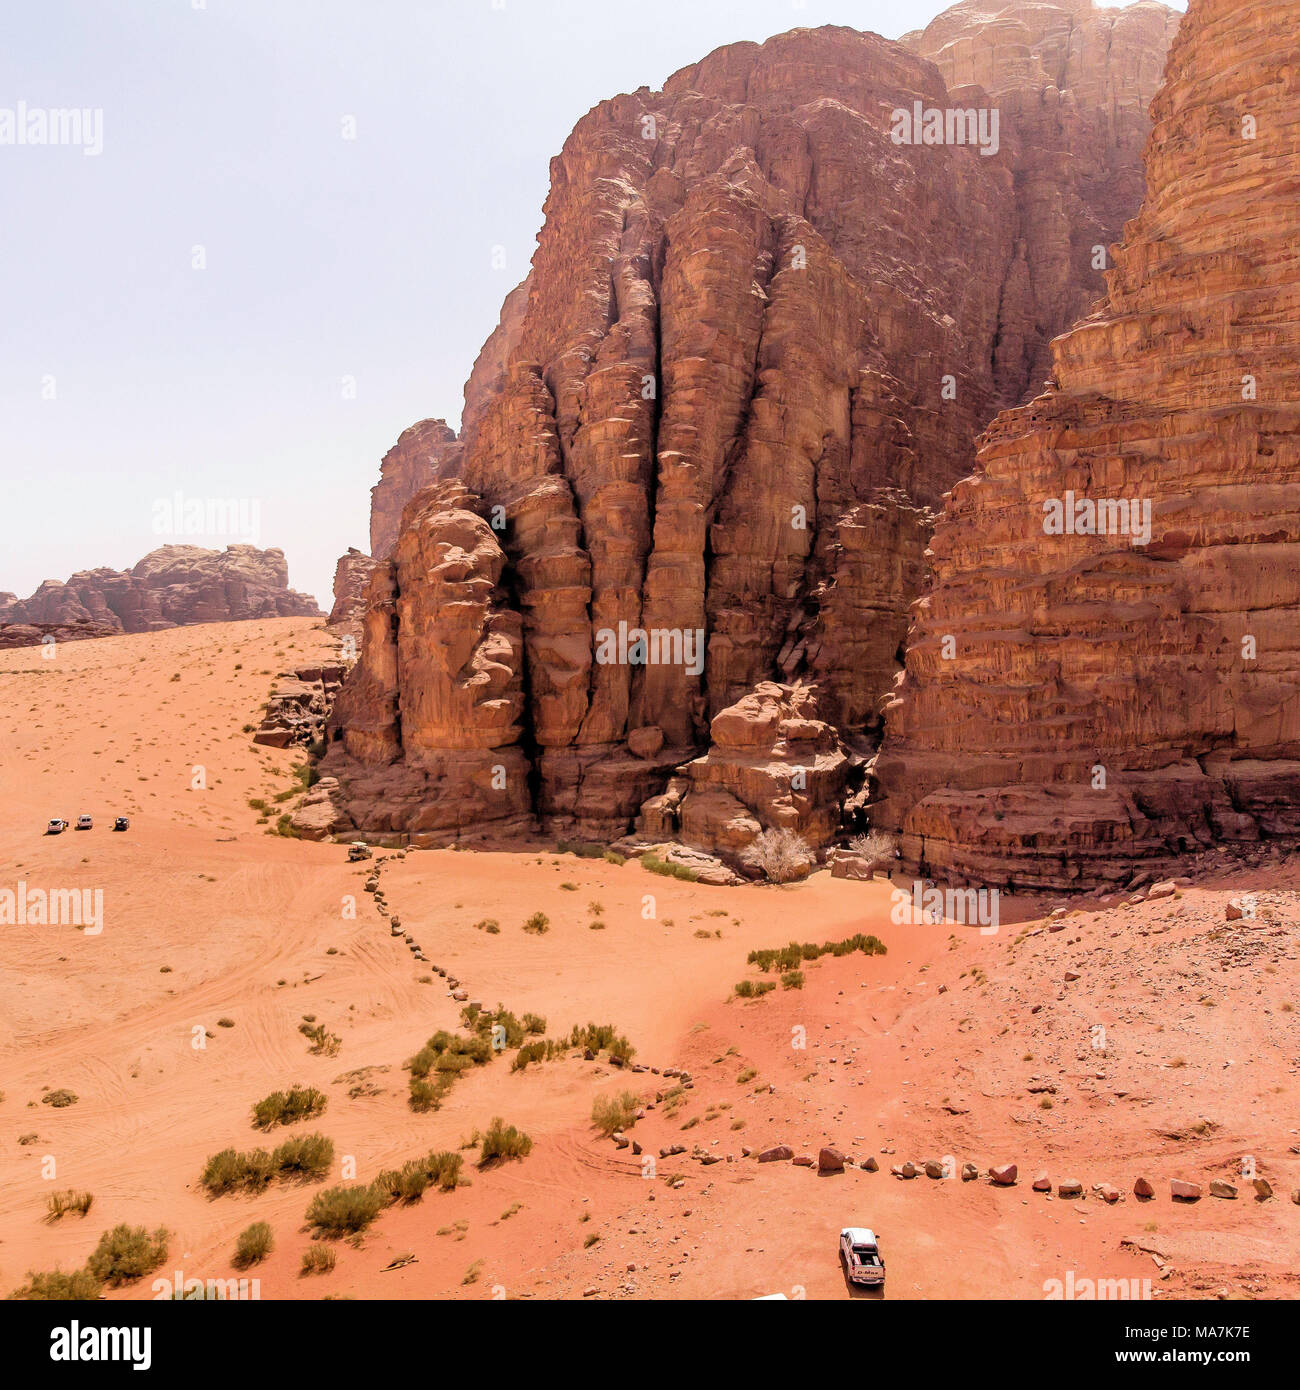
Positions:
{"x": 173, "y": 586}
{"x": 758, "y": 341}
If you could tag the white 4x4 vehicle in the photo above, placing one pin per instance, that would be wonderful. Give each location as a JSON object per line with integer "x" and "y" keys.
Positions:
{"x": 863, "y": 1261}
{"x": 84, "y": 822}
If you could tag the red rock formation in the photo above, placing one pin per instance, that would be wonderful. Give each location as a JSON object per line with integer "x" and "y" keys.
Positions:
{"x": 757, "y": 343}
{"x": 351, "y": 580}
{"x": 772, "y": 762}
{"x": 173, "y": 586}
{"x": 39, "y": 634}
{"x": 416, "y": 460}
{"x": 1075, "y": 702}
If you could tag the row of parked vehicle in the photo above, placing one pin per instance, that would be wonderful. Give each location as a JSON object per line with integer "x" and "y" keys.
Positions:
{"x": 58, "y": 825}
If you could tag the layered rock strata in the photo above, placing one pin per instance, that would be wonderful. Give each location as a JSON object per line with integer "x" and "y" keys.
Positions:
{"x": 759, "y": 338}
{"x": 1107, "y": 671}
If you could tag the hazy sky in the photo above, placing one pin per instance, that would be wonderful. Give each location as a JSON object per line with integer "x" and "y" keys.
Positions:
{"x": 347, "y": 283}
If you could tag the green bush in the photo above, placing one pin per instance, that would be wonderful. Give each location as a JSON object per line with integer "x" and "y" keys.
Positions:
{"x": 602, "y": 1037}
{"x": 128, "y": 1252}
{"x": 611, "y": 1113}
{"x": 655, "y": 865}
{"x": 409, "y": 1182}
{"x": 502, "y": 1141}
{"x": 304, "y": 1158}
{"x": 288, "y": 1107}
{"x": 55, "y": 1286}
{"x": 253, "y": 1244}
{"x": 318, "y": 1259}
{"x": 341, "y": 1211}
{"x": 791, "y": 956}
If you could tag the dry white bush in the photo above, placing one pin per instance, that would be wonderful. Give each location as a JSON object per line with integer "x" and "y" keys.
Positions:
{"x": 781, "y": 855}
{"x": 875, "y": 844}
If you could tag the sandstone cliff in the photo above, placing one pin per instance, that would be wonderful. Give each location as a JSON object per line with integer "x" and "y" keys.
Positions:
{"x": 1107, "y": 672}
{"x": 171, "y": 587}
{"x": 758, "y": 341}
{"x": 351, "y": 580}
{"x": 417, "y": 459}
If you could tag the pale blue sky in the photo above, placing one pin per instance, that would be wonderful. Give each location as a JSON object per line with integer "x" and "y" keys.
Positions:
{"x": 326, "y": 258}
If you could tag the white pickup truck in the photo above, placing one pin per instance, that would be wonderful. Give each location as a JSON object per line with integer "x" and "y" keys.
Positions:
{"x": 863, "y": 1262}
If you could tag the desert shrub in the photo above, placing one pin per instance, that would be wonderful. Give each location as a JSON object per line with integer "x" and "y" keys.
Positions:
{"x": 534, "y": 1024}
{"x": 318, "y": 1259}
{"x": 341, "y": 1211}
{"x": 792, "y": 979}
{"x": 475, "y": 1051}
{"x": 288, "y": 1107}
{"x": 792, "y": 956}
{"x": 780, "y": 854}
{"x": 55, "y": 1286}
{"x": 59, "y": 1099}
{"x": 541, "y": 1051}
{"x": 583, "y": 851}
{"x": 323, "y": 1043}
{"x": 611, "y": 1113}
{"x": 486, "y": 1024}
{"x": 602, "y": 1037}
{"x": 488, "y": 924}
{"x": 875, "y": 844}
{"x": 127, "y": 1252}
{"x": 613, "y": 857}
{"x": 538, "y": 923}
{"x": 304, "y": 1158}
{"x": 60, "y": 1203}
{"x": 502, "y": 1141}
{"x": 755, "y": 989}
{"x": 253, "y": 1244}
{"x": 427, "y": 1095}
{"x": 668, "y": 869}
{"x": 409, "y": 1182}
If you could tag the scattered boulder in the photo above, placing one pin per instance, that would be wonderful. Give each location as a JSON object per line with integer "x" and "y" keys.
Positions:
{"x": 1184, "y": 1191}
{"x": 830, "y": 1161}
{"x": 1143, "y": 1188}
{"x": 1219, "y": 1188}
{"x": 779, "y": 1153}
{"x": 1004, "y": 1175}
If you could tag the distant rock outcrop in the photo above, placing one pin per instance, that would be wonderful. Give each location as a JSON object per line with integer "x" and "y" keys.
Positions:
{"x": 760, "y": 336}
{"x": 1107, "y": 671}
{"x": 351, "y": 579}
{"x": 173, "y": 586}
